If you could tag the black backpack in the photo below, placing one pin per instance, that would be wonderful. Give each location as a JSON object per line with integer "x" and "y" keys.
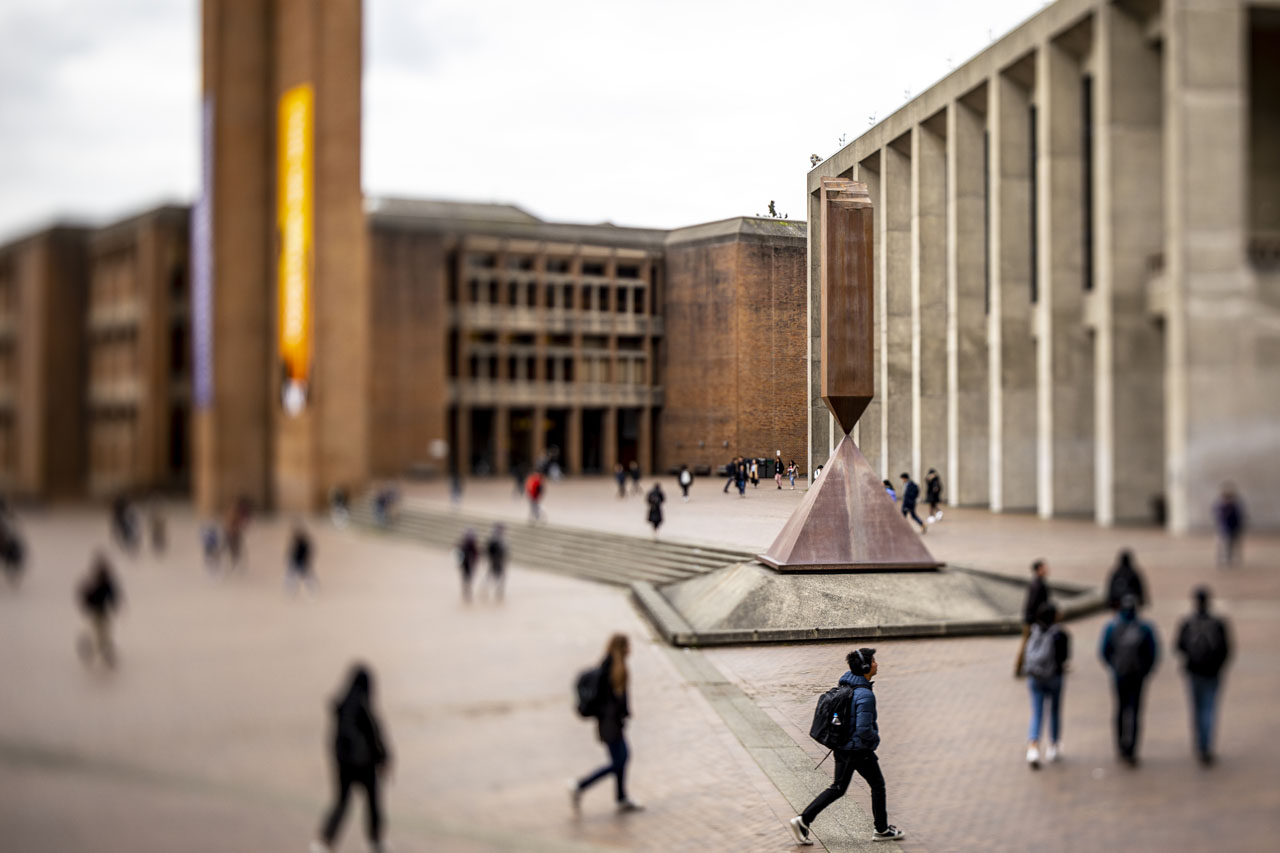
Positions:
{"x": 587, "y": 689}
{"x": 1203, "y": 645}
{"x": 833, "y": 717}
{"x": 1127, "y": 649}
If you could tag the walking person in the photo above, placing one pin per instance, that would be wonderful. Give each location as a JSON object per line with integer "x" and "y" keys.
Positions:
{"x": 1037, "y": 595}
{"x": 731, "y": 470}
{"x": 740, "y": 475}
{"x": 933, "y": 495}
{"x": 1130, "y": 649}
{"x": 792, "y": 471}
{"x": 124, "y": 524}
{"x": 466, "y": 552}
{"x": 99, "y": 599}
{"x": 634, "y": 470}
{"x": 535, "y": 490}
{"x": 1048, "y": 651}
{"x": 12, "y": 550}
{"x": 777, "y": 470}
{"x": 888, "y": 490}
{"x": 1125, "y": 580}
{"x": 496, "y": 548}
{"x": 298, "y": 570}
{"x": 857, "y": 755}
{"x": 1205, "y": 644}
{"x": 211, "y": 545}
{"x": 655, "y": 499}
{"x": 753, "y": 471}
{"x": 360, "y": 757}
{"x": 620, "y": 477}
{"x": 1228, "y": 520}
{"x": 910, "y": 494}
{"x": 685, "y": 479}
{"x": 611, "y": 713}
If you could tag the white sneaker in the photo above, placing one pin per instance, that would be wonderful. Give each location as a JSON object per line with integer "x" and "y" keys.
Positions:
{"x": 939, "y": 515}
{"x": 800, "y": 832}
{"x": 891, "y": 833}
{"x": 1033, "y": 757}
{"x": 929, "y": 520}
{"x": 1051, "y": 752}
{"x": 629, "y": 806}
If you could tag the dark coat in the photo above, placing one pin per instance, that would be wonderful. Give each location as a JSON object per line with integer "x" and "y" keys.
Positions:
{"x": 866, "y": 731}
{"x": 1125, "y": 580}
{"x": 933, "y": 490}
{"x": 910, "y": 495}
{"x": 1221, "y": 644}
{"x": 655, "y": 499}
{"x": 1150, "y": 646}
{"x": 614, "y": 708}
{"x": 1037, "y": 594}
{"x": 358, "y": 741}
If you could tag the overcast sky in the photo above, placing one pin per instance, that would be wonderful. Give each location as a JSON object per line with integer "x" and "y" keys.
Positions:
{"x": 661, "y": 113}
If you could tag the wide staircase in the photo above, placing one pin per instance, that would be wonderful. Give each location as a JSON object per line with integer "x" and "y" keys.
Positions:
{"x": 591, "y": 554}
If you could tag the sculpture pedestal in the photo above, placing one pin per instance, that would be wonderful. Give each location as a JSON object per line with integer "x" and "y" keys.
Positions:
{"x": 847, "y": 523}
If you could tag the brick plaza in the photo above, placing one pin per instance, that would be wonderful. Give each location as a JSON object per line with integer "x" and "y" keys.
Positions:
{"x": 211, "y": 735}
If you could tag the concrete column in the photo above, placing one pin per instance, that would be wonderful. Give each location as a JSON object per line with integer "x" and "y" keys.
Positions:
{"x": 1011, "y": 351}
{"x": 539, "y": 436}
{"x": 1128, "y": 231}
{"x": 1064, "y": 351}
{"x": 928, "y": 296}
{"x": 644, "y": 441}
{"x": 501, "y": 438}
{"x": 967, "y": 443}
{"x": 609, "y": 440}
{"x": 1222, "y": 397}
{"x": 895, "y": 390}
{"x": 573, "y": 438}
{"x": 462, "y": 438}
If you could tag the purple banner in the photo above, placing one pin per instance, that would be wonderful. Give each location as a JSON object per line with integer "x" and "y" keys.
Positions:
{"x": 202, "y": 268}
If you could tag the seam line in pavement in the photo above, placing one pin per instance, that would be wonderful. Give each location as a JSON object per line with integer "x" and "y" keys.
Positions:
{"x": 788, "y": 767}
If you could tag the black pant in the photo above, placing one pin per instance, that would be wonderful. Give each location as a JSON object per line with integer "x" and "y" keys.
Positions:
{"x": 617, "y": 765}
{"x": 864, "y": 761}
{"x": 1128, "y": 714}
{"x": 910, "y": 509}
{"x": 366, "y": 776}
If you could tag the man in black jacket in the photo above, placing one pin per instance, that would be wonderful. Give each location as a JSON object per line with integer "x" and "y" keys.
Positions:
{"x": 1204, "y": 642}
{"x": 858, "y": 754}
{"x": 1037, "y": 594}
{"x": 933, "y": 495}
{"x": 910, "y": 493}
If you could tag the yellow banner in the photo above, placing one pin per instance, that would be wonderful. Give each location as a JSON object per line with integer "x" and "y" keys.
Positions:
{"x": 295, "y": 208}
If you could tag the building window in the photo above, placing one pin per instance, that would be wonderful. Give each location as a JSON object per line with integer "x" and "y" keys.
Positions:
{"x": 593, "y": 268}
{"x": 628, "y": 271}
{"x": 603, "y": 296}
{"x": 622, "y": 300}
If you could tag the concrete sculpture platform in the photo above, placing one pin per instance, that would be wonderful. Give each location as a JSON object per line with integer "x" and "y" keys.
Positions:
{"x": 752, "y": 603}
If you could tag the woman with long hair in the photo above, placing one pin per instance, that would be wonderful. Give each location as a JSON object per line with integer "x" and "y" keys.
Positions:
{"x": 612, "y": 712}
{"x": 360, "y": 756}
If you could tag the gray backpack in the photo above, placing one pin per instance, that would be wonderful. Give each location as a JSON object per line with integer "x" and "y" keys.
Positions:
{"x": 1041, "y": 661}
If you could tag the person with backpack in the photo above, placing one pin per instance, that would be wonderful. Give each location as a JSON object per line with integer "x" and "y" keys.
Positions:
{"x": 1048, "y": 649}
{"x": 1037, "y": 594}
{"x": 606, "y": 687}
{"x": 496, "y": 547}
{"x": 845, "y": 721}
{"x": 1125, "y": 580}
{"x": 360, "y": 757}
{"x": 685, "y": 479}
{"x": 298, "y": 569}
{"x": 1228, "y": 518}
{"x": 1130, "y": 649}
{"x": 655, "y": 499}
{"x": 1205, "y": 643}
{"x": 100, "y": 597}
{"x": 466, "y": 552}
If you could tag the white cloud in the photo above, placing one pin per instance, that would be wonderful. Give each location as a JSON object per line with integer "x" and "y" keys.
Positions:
{"x": 660, "y": 114}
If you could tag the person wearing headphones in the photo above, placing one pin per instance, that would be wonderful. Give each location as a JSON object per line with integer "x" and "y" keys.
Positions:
{"x": 858, "y": 754}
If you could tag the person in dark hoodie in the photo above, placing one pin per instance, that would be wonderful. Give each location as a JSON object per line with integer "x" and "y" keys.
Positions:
{"x": 655, "y": 499}
{"x": 859, "y": 754}
{"x": 1204, "y": 640}
{"x": 467, "y": 552}
{"x": 1125, "y": 580}
{"x": 612, "y": 713}
{"x": 360, "y": 757}
{"x": 910, "y": 494}
{"x": 100, "y": 598}
{"x": 497, "y": 550}
{"x": 1130, "y": 649}
{"x": 1037, "y": 595}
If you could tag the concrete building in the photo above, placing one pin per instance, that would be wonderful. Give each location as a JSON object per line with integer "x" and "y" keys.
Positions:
{"x": 137, "y": 400}
{"x": 42, "y": 357}
{"x": 1077, "y": 288}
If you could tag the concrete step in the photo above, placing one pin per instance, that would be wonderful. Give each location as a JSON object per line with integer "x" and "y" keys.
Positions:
{"x": 605, "y": 557}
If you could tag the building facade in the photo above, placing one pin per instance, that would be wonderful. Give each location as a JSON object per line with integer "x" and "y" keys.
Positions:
{"x": 1077, "y": 294}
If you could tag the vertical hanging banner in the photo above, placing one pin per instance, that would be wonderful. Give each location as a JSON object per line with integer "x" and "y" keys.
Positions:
{"x": 202, "y": 267}
{"x": 295, "y": 220}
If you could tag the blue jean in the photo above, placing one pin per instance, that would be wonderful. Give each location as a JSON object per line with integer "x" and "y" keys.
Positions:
{"x": 1204, "y": 701}
{"x": 617, "y": 766}
{"x": 1041, "y": 690}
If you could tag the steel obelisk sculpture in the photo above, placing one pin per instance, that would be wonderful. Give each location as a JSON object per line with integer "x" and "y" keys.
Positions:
{"x": 846, "y": 521}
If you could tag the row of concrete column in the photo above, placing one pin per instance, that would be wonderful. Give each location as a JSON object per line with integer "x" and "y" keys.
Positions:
{"x": 571, "y": 453}
{"x": 1028, "y": 372}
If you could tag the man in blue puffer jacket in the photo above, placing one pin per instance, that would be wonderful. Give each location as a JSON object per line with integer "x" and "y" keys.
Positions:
{"x": 858, "y": 754}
